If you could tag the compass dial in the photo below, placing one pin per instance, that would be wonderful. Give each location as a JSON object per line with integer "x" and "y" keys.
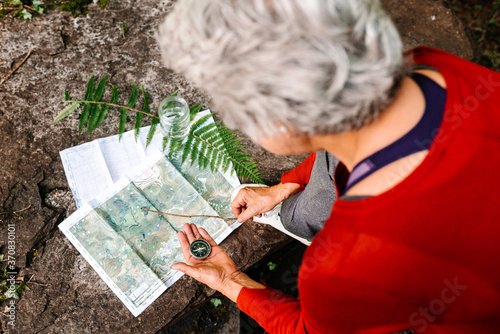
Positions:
{"x": 200, "y": 249}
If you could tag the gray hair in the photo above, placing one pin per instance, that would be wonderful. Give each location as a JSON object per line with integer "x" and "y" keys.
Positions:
{"x": 314, "y": 66}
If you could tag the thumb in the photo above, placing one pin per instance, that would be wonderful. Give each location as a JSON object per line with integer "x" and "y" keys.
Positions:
{"x": 186, "y": 269}
{"x": 253, "y": 210}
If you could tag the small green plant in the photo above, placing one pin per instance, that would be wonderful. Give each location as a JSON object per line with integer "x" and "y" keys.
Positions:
{"x": 271, "y": 266}
{"x": 209, "y": 143}
{"x": 123, "y": 28}
{"x": 27, "y": 9}
{"x": 77, "y": 7}
{"x": 10, "y": 287}
{"x": 216, "y": 302}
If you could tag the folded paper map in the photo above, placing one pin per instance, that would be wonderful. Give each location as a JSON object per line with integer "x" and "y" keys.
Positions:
{"x": 130, "y": 248}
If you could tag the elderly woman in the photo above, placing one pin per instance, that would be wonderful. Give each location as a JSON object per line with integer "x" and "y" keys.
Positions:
{"x": 410, "y": 242}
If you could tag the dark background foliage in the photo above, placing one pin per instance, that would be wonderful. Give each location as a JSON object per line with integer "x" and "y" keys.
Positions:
{"x": 482, "y": 17}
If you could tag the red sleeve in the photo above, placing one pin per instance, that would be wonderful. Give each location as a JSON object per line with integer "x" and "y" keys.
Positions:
{"x": 273, "y": 310}
{"x": 301, "y": 173}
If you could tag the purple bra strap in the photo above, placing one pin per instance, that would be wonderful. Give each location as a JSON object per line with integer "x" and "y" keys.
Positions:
{"x": 419, "y": 138}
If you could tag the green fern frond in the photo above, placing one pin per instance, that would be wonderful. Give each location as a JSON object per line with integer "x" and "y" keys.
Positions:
{"x": 105, "y": 107}
{"x": 194, "y": 152}
{"x": 70, "y": 108}
{"x": 211, "y": 135}
{"x": 208, "y": 143}
{"x": 165, "y": 143}
{"x": 152, "y": 130}
{"x": 223, "y": 154}
{"x": 123, "y": 112}
{"x": 175, "y": 148}
{"x": 137, "y": 125}
{"x": 218, "y": 160}
{"x": 154, "y": 121}
{"x": 139, "y": 116}
{"x": 194, "y": 110}
{"x": 122, "y": 123}
{"x": 95, "y": 110}
{"x": 187, "y": 148}
{"x": 86, "y": 107}
{"x": 203, "y": 129}
{"x": 198, "y": 124}
{"x": 99, "y": 91}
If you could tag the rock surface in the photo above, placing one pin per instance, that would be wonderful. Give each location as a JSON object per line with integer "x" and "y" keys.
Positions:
{"x": 71, "y": 298}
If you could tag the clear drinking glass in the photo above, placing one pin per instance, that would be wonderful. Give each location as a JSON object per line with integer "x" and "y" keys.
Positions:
{"x": 174, "y": 117}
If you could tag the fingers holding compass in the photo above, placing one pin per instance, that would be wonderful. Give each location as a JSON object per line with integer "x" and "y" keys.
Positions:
{"x": 205, "y": 260}
{"x": 191, "y": 232}
{"x": 207, "y": 237}
{"x": 195, "y": 243}
{"x": 184, "y": 242}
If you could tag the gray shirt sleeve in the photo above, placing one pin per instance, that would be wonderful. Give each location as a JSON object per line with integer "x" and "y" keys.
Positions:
{"x": 305, "y": 213}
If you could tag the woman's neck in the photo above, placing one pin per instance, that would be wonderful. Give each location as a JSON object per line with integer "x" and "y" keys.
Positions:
{"x": 400, "y": 117}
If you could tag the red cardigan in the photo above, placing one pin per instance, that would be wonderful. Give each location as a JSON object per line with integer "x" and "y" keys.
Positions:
{"x": 422, "y": 255}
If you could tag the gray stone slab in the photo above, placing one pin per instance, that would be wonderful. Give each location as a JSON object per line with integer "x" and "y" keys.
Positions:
{"x": 68, "y": 51}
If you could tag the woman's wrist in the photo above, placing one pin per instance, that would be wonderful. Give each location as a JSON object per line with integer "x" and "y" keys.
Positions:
{"x": 285, "y": 190}
{"x": 233, "y": 285}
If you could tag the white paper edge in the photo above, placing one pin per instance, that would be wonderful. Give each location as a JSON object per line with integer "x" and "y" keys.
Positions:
{"x": 137, "y": 144}
{"x": 67, "y": 169}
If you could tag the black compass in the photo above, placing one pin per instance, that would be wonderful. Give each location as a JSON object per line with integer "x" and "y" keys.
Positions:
{"x": 200, "y": 249}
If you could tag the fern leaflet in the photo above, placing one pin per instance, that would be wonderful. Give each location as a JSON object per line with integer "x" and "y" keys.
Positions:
{"x": 95, "y": 109}
{"x": 123, "y": 111}
{"x": 105, "y": 107}
{"x": 70, "y": 108}
{"x": 86, "y": 107}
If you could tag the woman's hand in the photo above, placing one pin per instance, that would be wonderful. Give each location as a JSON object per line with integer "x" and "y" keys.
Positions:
{"x": 253, "y": 201}
{"x": 218, "y": 270}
